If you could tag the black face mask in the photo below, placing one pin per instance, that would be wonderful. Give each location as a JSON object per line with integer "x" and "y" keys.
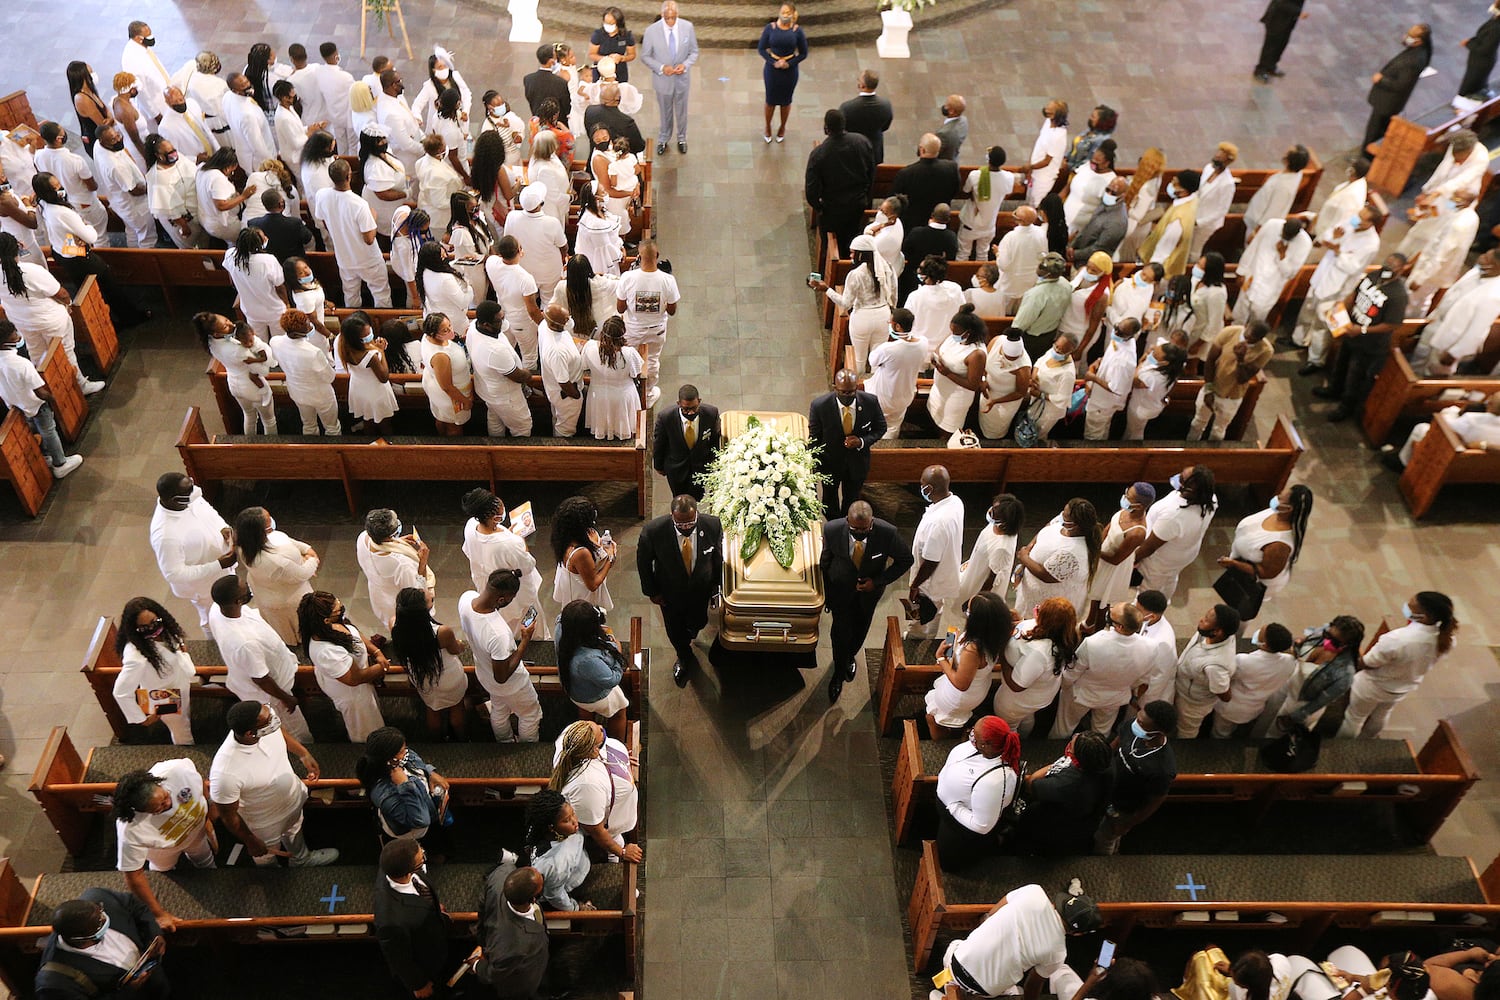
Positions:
{"x": 169, "y": 159}
{"x": 149, "y": 42}
{"x": 115, "y": 147}
{"x": 845, "y": 400}
{"x": 685, "y": 531}
{"x": 858, "y": 536}
{"x": 181, "y": 109}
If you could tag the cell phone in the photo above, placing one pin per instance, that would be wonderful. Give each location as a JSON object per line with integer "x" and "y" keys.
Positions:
{"x": 1106, "y": 955}
{"x": 413, "y": 533}
{"x": 814, "y": 276}
{"x": 950, "y": 641}
{"x": 529, "y": 618}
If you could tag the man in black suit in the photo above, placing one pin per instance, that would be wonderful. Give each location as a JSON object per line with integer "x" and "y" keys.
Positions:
{"x": 1280, "y": 18}
{"x": 862, "y": 555}
{"x": 512, "y": 956}
{"x": 545, "y": 83}
{"x": 684, "y": 442}
{"x": 285, "y": 236}
{"x": 932, "y": 238}
{"x": 608, "y": 114}
{"x": 410, "y": 922}
{"x": 681, "y": 561}
{"x": 95, "y": 940}
{"x": 869, "y": 114}
{"x": 846, "y": 422}
{"x": 926, "y": 183}
{"x": 840, "y": 170}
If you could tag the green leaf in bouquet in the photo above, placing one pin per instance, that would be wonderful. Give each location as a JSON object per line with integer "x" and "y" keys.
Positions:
{"x": 753, "y": 535}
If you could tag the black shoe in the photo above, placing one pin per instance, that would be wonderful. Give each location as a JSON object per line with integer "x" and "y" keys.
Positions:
{"x": 835, "y": 685}
{"x": 849, "y": 676}
{"x": 1325, "y": 392}
{"x": 1263, "y": 77}
{"x": 1278, "y": 72}
{"x": 661, "y": 148}
{"x": 1393, "y": 462}
{"x": 1287, "y": 341}
{"x": 1310, "y": 368}
{"x": 681, "y": 146}
{"x": 682, "y": 670}
{"x": 1339, "y": 415}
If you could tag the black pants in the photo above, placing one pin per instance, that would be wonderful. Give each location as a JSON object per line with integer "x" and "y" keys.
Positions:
{"x": 684, "y": 618}
{"x": 1477, "y": 73}
{"x": 849, "y": 480}
{"x": 959, "y": 847}
{"x": 124, "y": 307}
{"x": 851, "y": 623}
{"x": 1375, "y": 129}
{"x": 687, "y": 486}
{"x": 844, "y": 223}
{"x": 1278, "y": 33}
{"x": 1355, "y": 371}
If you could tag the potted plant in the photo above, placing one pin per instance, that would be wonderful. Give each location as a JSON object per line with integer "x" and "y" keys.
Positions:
{"x": 895, "y": 20}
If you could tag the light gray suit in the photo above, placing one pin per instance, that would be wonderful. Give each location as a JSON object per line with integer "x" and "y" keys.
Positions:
{"x": 671, "y": 91}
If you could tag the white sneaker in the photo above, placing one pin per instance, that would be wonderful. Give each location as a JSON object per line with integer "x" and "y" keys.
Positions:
{"x": 91, "y": 387}
{"x": 66, "y": 469}
{"x": 509, "y": 857}
{"x": 935, "y": 995}
{"x": 316, "y": 859}
{"x": 653, "y": 396}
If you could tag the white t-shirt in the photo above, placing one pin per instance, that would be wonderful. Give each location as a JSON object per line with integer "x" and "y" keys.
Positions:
{"x": 513, "y": 285}
{"x": 646, "y": 295}
{"x": 1181, "y": 527}
{"x": 356, "y": 703}
{"x": 977, "y": 215}
{"x": 939, "y": 539}
{"x": 260, "y": 778}
{"x": 36, "y": 311}
{"x": 992, "y": 553}
{"x": 383, "y": 174}
{"x": 588, "y": 791}
{"x": 347, "y": 219}
{"x": 251, "y": 648}
{"x": 491, "y": 359}
{"x": 1257, "y": 676}
{"x": 306, "y": 365}
{"x": 212, "y": 184}
{"x": 155, "y": 836}
{"x": 1026, "y": 933}
{"x": 491, "y": 639}
{"x": 1031, "y": 670}
{"x": 19, "y": 381}
{"x": 541, "y": 236}
{"x": 257, "y": 286}
{"x": 1109, "y": 666}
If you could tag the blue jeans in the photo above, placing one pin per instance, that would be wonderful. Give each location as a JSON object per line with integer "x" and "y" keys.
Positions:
{"x": 45, "y": 424}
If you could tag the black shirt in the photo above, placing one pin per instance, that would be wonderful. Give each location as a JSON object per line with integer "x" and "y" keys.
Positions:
{"x": 1064, "y": 808}
{"x": 840, "y": 171}
{"x": 1377, "y": 301}
{"x": 614, "y": 45}
{"x": 1143, "y": 773}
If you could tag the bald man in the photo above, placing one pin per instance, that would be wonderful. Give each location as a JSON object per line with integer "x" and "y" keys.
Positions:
{"x": 955, "y": 128}
{"x": 1018, "y": 255}
{"x": 862, "y": 555}
{"x": 562, "y": 370}
{"x": 937, "y": 554}
{"x": 512, "y": 956}
{"x": 845, "y": 423}
{"x": 928, "y": 182}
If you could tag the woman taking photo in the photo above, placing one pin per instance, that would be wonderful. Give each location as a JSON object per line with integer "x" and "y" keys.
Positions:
{"x": 490, "y": 544}
{"x": 156, "y": 674}
{"x": 371, "y": 397}
{"x": 958, "y": 370}
{"x": 594, "y": 774}
{"x": 278, "y": 569}
{"x": 470, "y": 241}
{"x": 429, "y": 651}
{"x": 1125, "y": 533}
{"x": 440, "y": 288}
{"x": 1268, "y": 543}
{"x": 555, "y": 848}
{"x": 868, "y": 297}
{"x": 1061, "y": 560}
{"x": 994, "y": 552}
{"x": 246, "y": 360}
{"x": 783, "y": 46}
{"x": 583, "y": 559}
{"x": 589, "y": 296}
{"x": 446, "y": 378}
{"x": 1031, "y": 670}
{"x": 591, "y": 665}
{"x": 977, "y": 783}
{"x": 410, "y": 798}
{"x": 612, "y": 38}
{"x": 966, "y": 663}
{"x": 614, "y": 383}
{"x": 1326, "y": 660}
{"x": 347, "y": 665}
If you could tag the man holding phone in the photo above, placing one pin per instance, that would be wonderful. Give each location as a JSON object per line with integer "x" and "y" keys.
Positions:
{"x": 1022, "y": 939}
{"x": 497, "y": 656}
{"x": 680, "y": 558}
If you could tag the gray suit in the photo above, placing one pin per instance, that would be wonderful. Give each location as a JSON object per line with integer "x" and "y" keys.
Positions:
{"x": 952, "y": 135}
{"x": 1105, "y": 230}
{"x": 671, "y": 91}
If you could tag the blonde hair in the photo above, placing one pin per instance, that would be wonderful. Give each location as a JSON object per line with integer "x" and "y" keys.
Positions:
{"x": 578, "y": 748}
{"x": 123, "y": 82}
{"x": 277, "y": 169}
{"x": 361, "y": 98}
{"x": 1153, "y": 162}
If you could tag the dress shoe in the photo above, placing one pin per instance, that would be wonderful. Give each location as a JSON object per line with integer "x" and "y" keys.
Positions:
{"x": 661, "y": 148}
{"x": 835, "y": 685}
{"x": 1340, "y": 414}
{"x": 853, "y": 669}
{"x": 1263, "y": 77}
{"x": 1310, "y": 368}
{"x": 681, "y": 146}
{"x": 1278, "y": 72}
{"x": 1325, "y": 392}
{"x": 680, "y": 673}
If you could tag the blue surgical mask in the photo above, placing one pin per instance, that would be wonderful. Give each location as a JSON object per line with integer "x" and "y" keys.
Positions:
{"x": 98, "y": 936}
{"x": 1353, "y": 222}
{"x": 1139, "y": 279}
{"x": 926, "y": 494}
{"x": 1124, "y": 502}
{"x": 896, "y": 334}
{"x": 1197, "y": 273}
{"x": 1255, "y": 638}
{"x": 1138, "y": 731}
{"x": 1176, "y": 481}
{"x": 1053, "y": 355}
{"x": 1406, "y": 611}
{"x": 368, "y": 340}
{"x": 1276, "y": 503}
{"x": 1109, "y": 199}
{"x": 307, "y": 280}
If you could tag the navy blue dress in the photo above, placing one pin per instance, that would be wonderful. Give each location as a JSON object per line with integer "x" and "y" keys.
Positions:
{"x": 777, "y": 43}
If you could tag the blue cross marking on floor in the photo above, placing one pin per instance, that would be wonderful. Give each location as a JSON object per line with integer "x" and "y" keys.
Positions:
{"x": 1190, "y": 887}
{"x": 333, "y": 899}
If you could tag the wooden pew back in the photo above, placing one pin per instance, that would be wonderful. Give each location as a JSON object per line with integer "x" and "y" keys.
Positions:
{"x": 1400, "y": 394}
{"x": 1441, "y": 458}
{"x": 22, "y": 463}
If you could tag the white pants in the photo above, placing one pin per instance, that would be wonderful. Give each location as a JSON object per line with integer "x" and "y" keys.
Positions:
{"x": 1201, "y": 236}
{"x": 261, "y": 408}
{"x": 565, "y": 413}
{"x": 1245, "y": 312}
{"x": 523, "y": 338}
{"x": 1216, "y": 408}
{"x": 650, "y": 344}
{"x": 1190, "y": 715}
{"x": 197, "y": 850}
{"x": 895, "y": 415}
{"x": 180, "y": 725}
{"x": 1424, "y": 361}
{"x": 509, "y": 415}
{"x": 1070, "y": 713}
{"x": 192, "y": 240}
{"x": 1369, "y": 706}
{"x": 1223, "y": 728}
{"x": 973, "y": 244}
{"x": 1318, "y": 337}
{"x": 517, "y": 696}
{"x": 292, "y": 721}
{"x": 934, "y": 628}
{"x": 201, "y": 604}
{"x": 322, "y": 407}
{"x": 1097, "y": 419}
{"x": 1140, "y": 410}
{"x": 1162, "y": 578}
{"x": 865, "y": 325}
{"x": 372, "y": 273}
{"x": 1051, "y": 414}
{"x": 289, "y": 840}
{"x": 140, "y": 227}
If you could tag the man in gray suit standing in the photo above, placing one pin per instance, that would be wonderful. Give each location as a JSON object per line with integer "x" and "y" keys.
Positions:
{"x": 669, "y": 48}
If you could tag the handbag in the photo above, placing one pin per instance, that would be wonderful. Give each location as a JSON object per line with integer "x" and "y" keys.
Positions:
{"x": 1026, "y": 431}
{"x": 1077, "y": 402}
{"x": 1242, "y": 591}
{"x": 1010, "y": 817}
{"x": 963, "y": 438}
{"x": 1293, "y": 753}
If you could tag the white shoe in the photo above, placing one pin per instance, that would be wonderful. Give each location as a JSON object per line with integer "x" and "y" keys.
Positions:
{"x": 935, "y": 995}
{"x": 66, "y": 469}
{"x": 508, "y": 857}
{"x": 653, "y": 396}
{"x": 90, "y": 387}
{"x": 318, "y": 858}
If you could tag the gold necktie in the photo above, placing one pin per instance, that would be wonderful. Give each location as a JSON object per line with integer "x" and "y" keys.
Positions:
{"x": 848, "y": 419}
{"x": 690, "y": 432}
{"x": 859, "y": 553}
{"x": 208, "y": 147}
{"x": 687, "y": 554}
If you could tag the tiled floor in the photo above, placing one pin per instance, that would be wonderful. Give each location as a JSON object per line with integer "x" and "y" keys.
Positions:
{"x": 770, "y": 871}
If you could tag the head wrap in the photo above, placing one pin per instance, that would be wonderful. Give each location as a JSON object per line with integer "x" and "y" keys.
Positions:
{"x": 376, "y": 130}
{"x": 1102, "y": 261}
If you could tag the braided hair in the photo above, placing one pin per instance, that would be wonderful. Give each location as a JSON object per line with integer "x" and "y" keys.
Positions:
{"x": 578, "y": 748}
{"x": 611, "y": 340}
{"x": 1301, "y": 510}
{"x": 10, "y": 264}
{"x": 541, "y": 816}
{"x": 312, "y": 625}
{"x": 133, "y": 794}
{"x": 246, "y": 245}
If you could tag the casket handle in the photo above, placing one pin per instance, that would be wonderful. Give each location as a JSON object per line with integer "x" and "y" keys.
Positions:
{"x": 784, "y": 628}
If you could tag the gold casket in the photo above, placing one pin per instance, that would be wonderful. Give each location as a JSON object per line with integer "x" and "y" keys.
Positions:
{"x": 764, "y": 607}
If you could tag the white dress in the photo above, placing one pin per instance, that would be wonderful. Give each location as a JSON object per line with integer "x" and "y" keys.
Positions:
{"x": 450, "y": 685}
{"x": 568, "y": 586}
{"x": 449, "y": 295}
{"x": 613, "y": 400}
{"x": 952, "y": 707}
{"x": 1000, "y": 375}
{"x": 437, "y": 399}
{"x": 1067, "y": 560}
{"x": 1031, "y": 668}
{"x": 1250, "y": 538}
{"x": 599, "y": 240}
{"x": 234, "y": 356}
{"x": 357, "y": 703}
{"x": 992, "y": 553}
{"x": 369, "y": 398}
{"x": 138, "y": 681}
{"x": 949, "y": 402}
{"x": 1112, "y": 583}
{"x": 461, "y": 239}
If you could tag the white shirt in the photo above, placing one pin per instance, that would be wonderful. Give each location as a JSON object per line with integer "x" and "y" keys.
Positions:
{"x": 932, "y": 307}
{"x": 308, "y": 91}
{"x": 116, "y": 950}
{"x": 1474, "y": 428}
{"x": 561, "y": 360}
{"x": 36, "y": 311}
{"x": 291, "y": 134}
{"x": 179, "y": 129}
{"x": 150, "y": 76}
{"x": 1108, "y": 667}
{"x": 894, "y": 367}
{"x": 72, "y": 170}
{"x": 1452, "y": 178}
{"x": 1268, "y": 270}
{"x": 541, "y": 236}
{"x": 491, "y": 360}
{"x": 1181, "y": 527}
{"x": 992, "y": 553}
{"x": 1166, "y": 244}
{"x": 251, "y": 131}
{"x": 977, "y": 215}
{"x": 448, "y": 294}
{"x": 1051, "y": 141}
{"x": 385, "y": 173}
{"x": 1273, "y": 200}
{"x": 1117, "y": 369}
{"x": 493, "y": 642}
{"x": 137, "y": 674}
{"x": 1346, "y": 199}
{"x": 208, "y": 91}
{"x": 646, "y": 295}
{"x": 1401, "y": 658}
{"x": 333, "y": 84}
{"x": 260, "y": 778}
{"x": 252, "y": 649}
{"x": 148, "y": 833}
{"x": 1085, "y": 194}
{"x": 257, "y": 286}
{"x": 1129, "y": 299}
{"x": 406, "y": 131}
{"x": 19, "y": 381}
{"x": 1339, "y": 270}
{"x": 348, "y": 218}
{"x": 1031, "y": 669}
{"x": 1026, "y": 933}
{"x": 308, "y": 370}
{"x": 1162, "y": 684}
{"x": 1442, "y": 258}
{"x": 502, "y": 549}
{"x": 1205, "y": 669}
{"x": 1257, "y": 676}
{"x": 212, "y": 187}
{"x": 975, "y": 788}
{"x": 118, "y": 175}
{"x": 386, "y": 574}
{"x": 1017, "y": 257}
{"x": 173, "y": 191}
{"x": 437, "y": 182}
{"x": 588, "y": 791}
{"x": 939, "y": 539}
{"x": 188, "y": 545}
{"x": 356, "y": 703}
{"x": 1215, "y": 195}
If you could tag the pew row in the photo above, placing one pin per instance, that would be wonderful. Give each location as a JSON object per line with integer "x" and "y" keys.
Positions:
{"x": 248, "y": 905}
{"x": 1243, "y": 893}
{"x": 1265, "y": 467}
{"x": 22, "y": 463}
{"x": 1406, "y": 141}
{"x": 211, "y": 459}
{"x": 1426, "y": 785}
{"x": 1400, "y": 394}
{"x": 1439, "y": 459}
{"x": 101, "y": 668}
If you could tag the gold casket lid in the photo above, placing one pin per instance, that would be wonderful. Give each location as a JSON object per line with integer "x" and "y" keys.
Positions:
{"x": 761, "y": 583}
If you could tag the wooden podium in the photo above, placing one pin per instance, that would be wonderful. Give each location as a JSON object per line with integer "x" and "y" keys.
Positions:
{"x": 1396, "y": 156}
{"x": 383, "y": 9}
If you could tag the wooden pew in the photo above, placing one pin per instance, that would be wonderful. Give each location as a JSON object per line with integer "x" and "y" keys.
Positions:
{"x": 1405, "y": 142}
{"x": 93, "y": 328}
{"x": 68, "y": 402}
{"x": 1312, "y": 895}
{"x": 22, "y": 463}
{"x": 1440, "y": 458}
{"x": 26, "y": 907}
{"x": 1442, "y": 772}
{"x": 1266, "y": 466}
{"x": 1399, "y": 394}
{"x": 353, "y": 461}
{"x": 101, "y": 667}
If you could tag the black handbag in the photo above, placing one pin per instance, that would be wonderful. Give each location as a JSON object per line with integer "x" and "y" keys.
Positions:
{"x": 1242, "y": 591}
{"x": 1293, "y": 753}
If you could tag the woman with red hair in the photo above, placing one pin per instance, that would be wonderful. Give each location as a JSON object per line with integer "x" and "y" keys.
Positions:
{"x": 977, "y": 783}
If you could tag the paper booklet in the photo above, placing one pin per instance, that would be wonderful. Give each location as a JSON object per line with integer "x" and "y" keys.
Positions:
{"x": 522, "y": 521}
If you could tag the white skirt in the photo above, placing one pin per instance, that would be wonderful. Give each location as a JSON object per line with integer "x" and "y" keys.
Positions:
{"x": 607, "y": 706}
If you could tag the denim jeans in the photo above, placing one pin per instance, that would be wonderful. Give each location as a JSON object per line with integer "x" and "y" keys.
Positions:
{"x": 45, "y": 424}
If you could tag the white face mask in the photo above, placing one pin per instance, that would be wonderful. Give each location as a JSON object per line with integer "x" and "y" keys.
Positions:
{"x": 611, "y": 29}
{"x": 1109, "y": 199}
{"x": 441, "y": 74}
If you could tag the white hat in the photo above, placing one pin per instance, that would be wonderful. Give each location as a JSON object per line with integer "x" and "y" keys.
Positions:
{"x": 376, "y": 130}
{"x": 606, "y": 67}
{"x": 1012, "y": 348}
{"x": 862, "y": 242}
{"x": 532, "y": 196}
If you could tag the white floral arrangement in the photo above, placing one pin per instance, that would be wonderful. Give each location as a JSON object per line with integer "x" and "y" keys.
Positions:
{"x": 763, "y": 484}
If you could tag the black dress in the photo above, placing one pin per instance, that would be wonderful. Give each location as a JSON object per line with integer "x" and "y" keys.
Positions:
{"x": 87, "y": 129}
{"x": 614, "y": 45}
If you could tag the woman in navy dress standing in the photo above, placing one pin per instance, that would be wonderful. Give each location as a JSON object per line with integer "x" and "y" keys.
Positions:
{"x": 613, "y": 39}
{"x": 782, "y": 46}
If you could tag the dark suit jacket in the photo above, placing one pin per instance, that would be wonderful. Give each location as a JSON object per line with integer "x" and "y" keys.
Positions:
{"x": 658, "y": 558}
{"x": 285, "y": 236}
{"x": 543, "y": 84}
{"x": 887, "y": 557}
{"x": 413, "y": 935}
{"x": 1105, "y": 231}
{"x": 923, "y": 240}
{"x": 869, "y": 115}
{"x": 127, "y": 915}
{"x": 825, "y": 426}
{"x": 618, "y": 123}
{"x": 515, "y": 948}
{"x": 840, "y": 171}
{"x": 926, "y": 183}
{"x": 1398, "y": 78}
{"x": 669, "y": 451}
